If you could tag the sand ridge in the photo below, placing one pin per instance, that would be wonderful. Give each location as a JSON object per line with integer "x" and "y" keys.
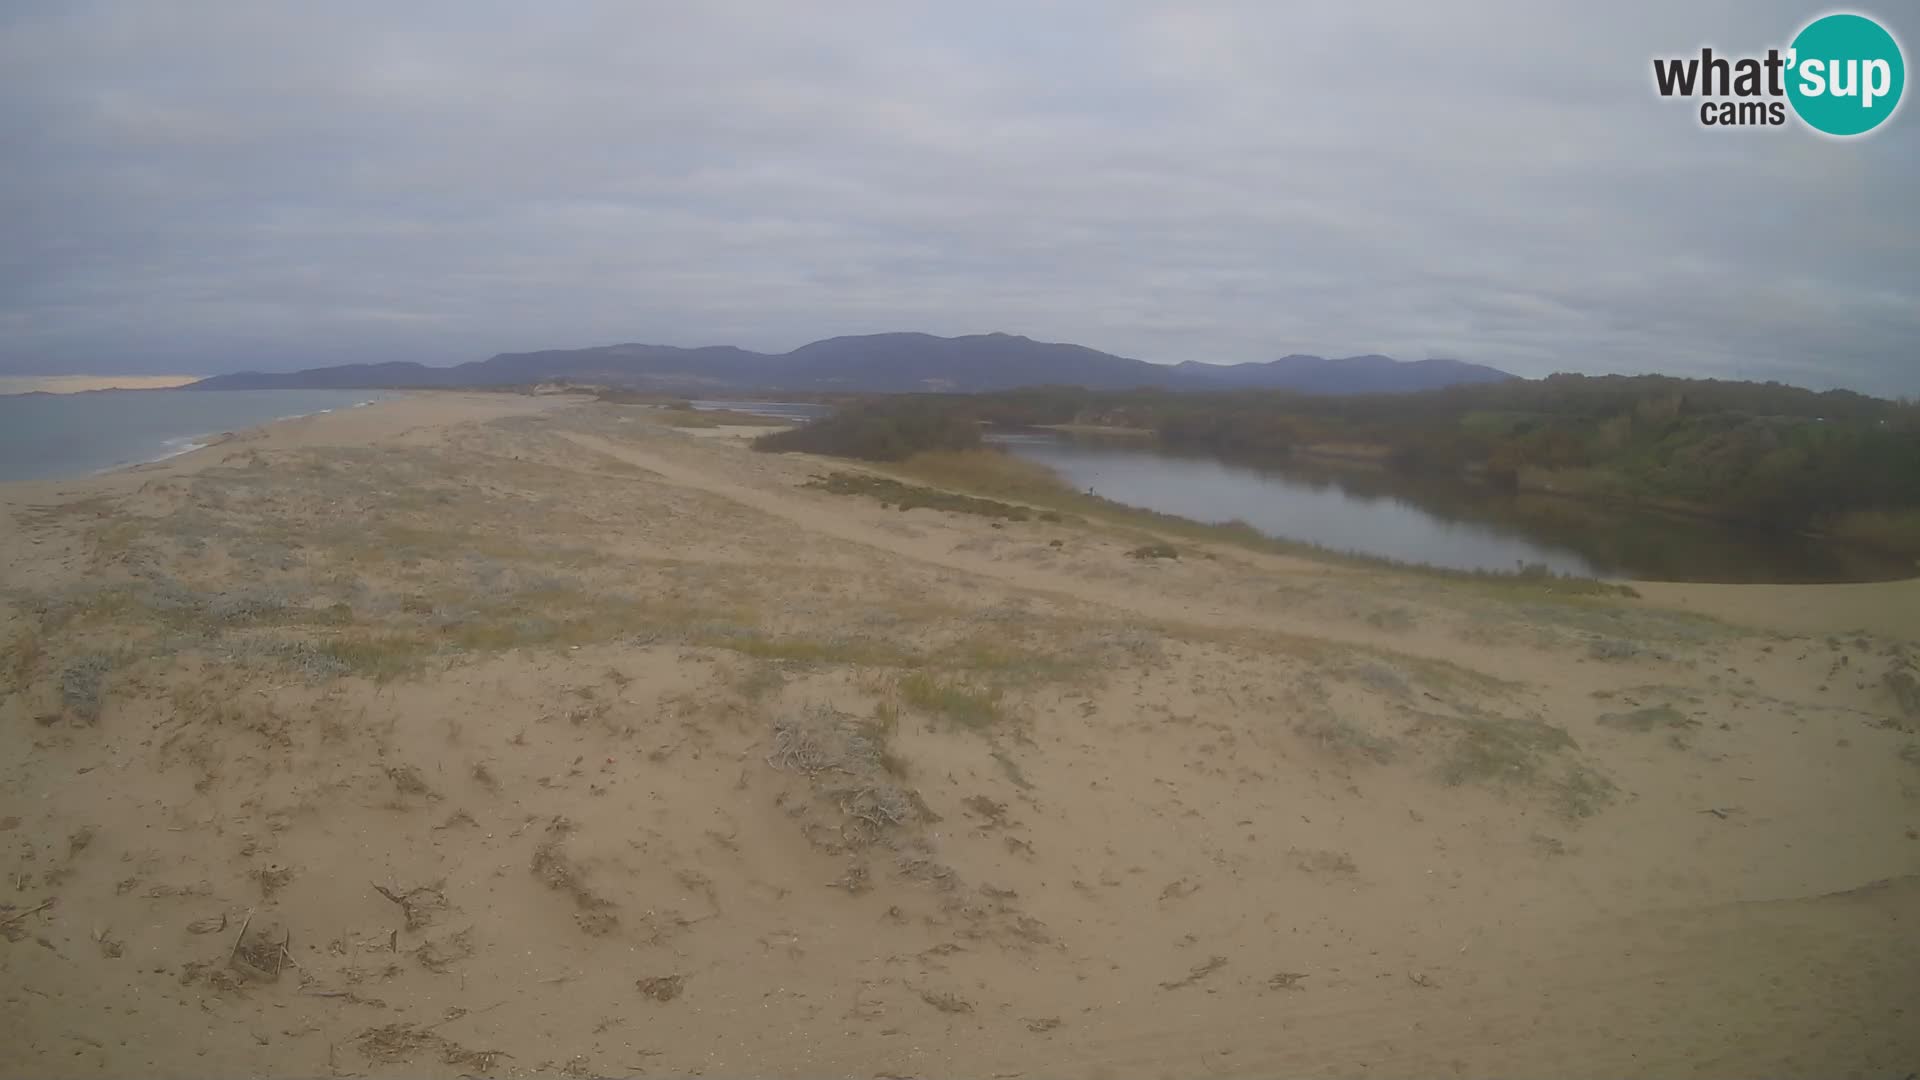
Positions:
{"x": 490, "y": 735}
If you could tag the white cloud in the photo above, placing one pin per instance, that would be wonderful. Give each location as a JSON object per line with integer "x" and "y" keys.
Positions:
{"x": 253, "y": 185}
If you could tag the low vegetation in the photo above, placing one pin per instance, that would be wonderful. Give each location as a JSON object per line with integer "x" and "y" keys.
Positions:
{"x": 83, "y": 686}
{"x": 1522, "y": 754}
{"x": 1652, "y": 718}
{"x": 851, "y": 767}
{"x": 952, "y": 700}
{"x": 690, "y": 417}
{"x": 1346, "y": 741}
{"x": 893, "y": 429}
{"x": 985, "y": 471}
{"x": 893, "y": 493}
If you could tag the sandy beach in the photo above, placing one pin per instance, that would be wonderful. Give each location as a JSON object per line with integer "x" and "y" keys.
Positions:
{"x": 481, "y": 734}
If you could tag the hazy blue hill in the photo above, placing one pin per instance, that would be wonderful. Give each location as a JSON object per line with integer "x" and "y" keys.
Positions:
{"x": 1349, "y": 375}
{"x": 883, "y": 362}
{"x": 346, "y": 376}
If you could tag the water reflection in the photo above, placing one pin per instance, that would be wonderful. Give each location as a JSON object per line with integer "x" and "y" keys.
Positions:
{"x": 797, "y": 411}
{"x": 1450, "y": 523}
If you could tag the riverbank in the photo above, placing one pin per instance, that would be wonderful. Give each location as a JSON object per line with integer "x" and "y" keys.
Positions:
{"x": 494, "y": 734}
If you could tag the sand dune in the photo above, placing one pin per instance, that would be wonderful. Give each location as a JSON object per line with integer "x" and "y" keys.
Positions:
{"x": 489, "y": 735}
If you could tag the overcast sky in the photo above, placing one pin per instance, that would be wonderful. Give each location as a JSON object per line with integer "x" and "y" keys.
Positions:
{"x": 206, "y": 186}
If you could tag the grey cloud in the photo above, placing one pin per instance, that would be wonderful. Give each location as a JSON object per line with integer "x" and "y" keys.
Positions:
{"x": 238, "y": 185}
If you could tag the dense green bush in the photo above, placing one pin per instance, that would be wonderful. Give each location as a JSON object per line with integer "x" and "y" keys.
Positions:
{"x": 885, "y": 430}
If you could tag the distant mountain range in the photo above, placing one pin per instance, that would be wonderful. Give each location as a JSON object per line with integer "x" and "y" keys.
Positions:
{"x": 879, "y": 362}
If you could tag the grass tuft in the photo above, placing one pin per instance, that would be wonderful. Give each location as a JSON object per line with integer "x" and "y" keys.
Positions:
{"x": 1645, "y": 720}
{"x": 968, "y": 706}
{"x": 1496, "y": 750}
{"x": 912, "y": 497}
{"x": 1520, "y": 753}
{"x": 25, "y": 653}
{"x": 83, "y": 686}
{"x": 1344, "y": 741}
{"x": 381, "y": 657}
{"x": 851, "y": 765}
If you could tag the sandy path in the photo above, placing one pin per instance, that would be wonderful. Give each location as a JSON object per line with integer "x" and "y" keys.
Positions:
{"x": 812, "y": 517}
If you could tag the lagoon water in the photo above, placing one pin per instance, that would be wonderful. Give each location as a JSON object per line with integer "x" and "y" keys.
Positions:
{"x": 48, "y": 436}
{"x": 1440, "y": 522}
{"x": 798, "y": 412}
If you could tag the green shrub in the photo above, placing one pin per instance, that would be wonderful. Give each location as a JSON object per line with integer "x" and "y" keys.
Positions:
{"x": 909, "y": 496}
{"x": 968, "y": 706}
{"x": 892, "y": 430}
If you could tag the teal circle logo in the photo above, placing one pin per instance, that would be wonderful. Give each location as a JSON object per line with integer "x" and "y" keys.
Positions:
{"x": 1845, "y": 74}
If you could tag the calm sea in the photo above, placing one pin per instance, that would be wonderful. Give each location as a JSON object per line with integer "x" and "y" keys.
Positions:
{"x": 48, "y": 436}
